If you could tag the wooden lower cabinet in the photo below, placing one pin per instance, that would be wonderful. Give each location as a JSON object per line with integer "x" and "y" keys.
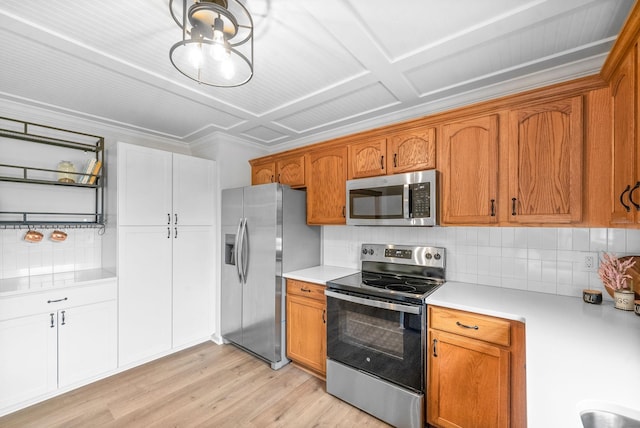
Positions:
{"x": 306, "y": 326}
{"x": 475, "y": 370}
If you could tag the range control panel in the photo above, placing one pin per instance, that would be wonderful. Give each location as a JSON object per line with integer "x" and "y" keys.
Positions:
{"x": 404, "y": 254}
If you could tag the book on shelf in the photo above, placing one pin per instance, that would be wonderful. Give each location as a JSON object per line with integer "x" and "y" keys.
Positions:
{"x": 94, "y": 173}
{"x": 84, "y": 179}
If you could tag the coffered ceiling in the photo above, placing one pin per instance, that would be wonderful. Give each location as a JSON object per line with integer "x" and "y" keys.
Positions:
{"x": 323, "y": 68}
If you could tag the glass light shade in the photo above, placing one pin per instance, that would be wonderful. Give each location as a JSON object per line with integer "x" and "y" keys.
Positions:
{"x": 217, "y": 42}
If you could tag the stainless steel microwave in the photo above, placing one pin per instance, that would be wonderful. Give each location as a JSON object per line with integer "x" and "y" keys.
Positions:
{"x": 393, "y": 200}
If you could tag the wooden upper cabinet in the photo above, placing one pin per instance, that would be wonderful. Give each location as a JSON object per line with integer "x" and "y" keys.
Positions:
{"x": 546, "y": 162}
{"x": 625, "y": 163}
{"x": 326, "y": 177}
{"x": 263, "y": 173}
{"x": 368, "y": 158}
{"x": 469, "y": 167}
{"x": 413, "y": 150}
{"x": 290, "y": 170}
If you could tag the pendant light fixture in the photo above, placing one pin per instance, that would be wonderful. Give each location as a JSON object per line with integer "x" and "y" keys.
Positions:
{"x": 217, "y": 41}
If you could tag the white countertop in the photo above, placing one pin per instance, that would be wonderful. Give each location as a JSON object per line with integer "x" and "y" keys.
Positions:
{"x": 320, "y": 274}
{"x": 35, "y": 283}
{"x": 579, "y": 356}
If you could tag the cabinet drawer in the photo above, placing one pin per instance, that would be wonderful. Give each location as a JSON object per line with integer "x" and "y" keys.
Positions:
{"x": 306, "y": 289}
{"x": 481, "y": 327}
{"x": 55, "y": 299}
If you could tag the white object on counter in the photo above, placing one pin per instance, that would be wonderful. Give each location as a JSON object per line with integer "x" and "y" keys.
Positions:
{"x": 320, "y": 274}
{"x": 574, "y": 350}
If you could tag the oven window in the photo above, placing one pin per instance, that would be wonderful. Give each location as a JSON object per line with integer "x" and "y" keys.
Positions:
{"x": 383, "y": 342}
{"x": 378, "y": 202}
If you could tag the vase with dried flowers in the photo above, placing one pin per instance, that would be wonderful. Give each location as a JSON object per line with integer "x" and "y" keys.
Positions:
{"x": 613, "y": 273}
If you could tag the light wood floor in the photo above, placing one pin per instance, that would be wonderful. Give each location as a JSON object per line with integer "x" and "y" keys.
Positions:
{"x": 205, "y": 386}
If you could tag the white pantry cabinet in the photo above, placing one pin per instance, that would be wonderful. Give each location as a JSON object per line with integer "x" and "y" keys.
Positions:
{"x": 166, "y": 244}
{"x": 56, "y": 339}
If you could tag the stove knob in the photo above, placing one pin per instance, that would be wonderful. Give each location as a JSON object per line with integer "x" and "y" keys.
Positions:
{"x": 364, "y": 251}
{"x": 371, "y": 251}
{"x": 437, "y": 256}
{"x": 428, "y": 256}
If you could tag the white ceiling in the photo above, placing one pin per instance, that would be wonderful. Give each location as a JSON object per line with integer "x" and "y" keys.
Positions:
{"x": 323, "y": 68}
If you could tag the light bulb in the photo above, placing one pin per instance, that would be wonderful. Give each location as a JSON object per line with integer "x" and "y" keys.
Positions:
{"x": 195, "y": 54}
{"x": 218, "y": 50}
{"x": 227, "y": 68}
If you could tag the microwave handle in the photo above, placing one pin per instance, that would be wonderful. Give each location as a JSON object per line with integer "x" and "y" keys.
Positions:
{"x": 396, "y": 307}
{"x": 406, "y": 202}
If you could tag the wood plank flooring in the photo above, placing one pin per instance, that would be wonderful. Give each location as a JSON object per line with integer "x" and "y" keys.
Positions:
{"x": 208, "y": 385}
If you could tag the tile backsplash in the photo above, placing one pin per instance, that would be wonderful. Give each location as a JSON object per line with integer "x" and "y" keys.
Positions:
{"x": 81, "y": 250}
{"x": 547, "y": 260}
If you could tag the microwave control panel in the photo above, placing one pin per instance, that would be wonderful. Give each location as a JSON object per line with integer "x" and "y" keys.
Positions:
{"x": 420, "y": 200}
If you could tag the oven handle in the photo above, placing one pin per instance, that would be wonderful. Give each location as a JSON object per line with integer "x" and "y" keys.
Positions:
{"x": 396, "y": 307}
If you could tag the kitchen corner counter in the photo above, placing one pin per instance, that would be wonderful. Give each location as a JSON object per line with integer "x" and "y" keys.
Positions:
{"x": 320, "y": 274}
{"x": 54, "y": 281}
{"x": 579, "y": 356}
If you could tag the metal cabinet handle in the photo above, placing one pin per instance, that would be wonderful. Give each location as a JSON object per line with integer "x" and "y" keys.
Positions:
{"x": 53, "y": 323}
{"x": 395, "y": 159}
{"x": 168, "y": 232}
{"x": 631, "y": 196}
{"x": 344, "y": 211}
{"x": 382, "y": 162}
{"x": 493, "y": 207}
{"x": 57, "y": 300}
{"x": 64, "y": 318}
{"x": 626, "y": 189}
{"x": 324, "y": 316}
{"x": 168, "y": 218}
{"x": 271, "y": 178}
{"x": 176, "y": 218}
{"x": 471, "y": 327}
{"x": 306, "y": 290}
{"x": 435, "y": 347}
{"x": 175, "y": 231}
{"x": 513, "y": 206}
{"x": 279, "y": 177}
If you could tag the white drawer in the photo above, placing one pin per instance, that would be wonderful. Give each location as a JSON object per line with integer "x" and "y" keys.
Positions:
{"x": 55, "y": 299}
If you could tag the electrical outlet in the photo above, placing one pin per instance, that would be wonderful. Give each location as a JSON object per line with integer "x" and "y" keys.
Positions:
{"x": 589, "y": 263}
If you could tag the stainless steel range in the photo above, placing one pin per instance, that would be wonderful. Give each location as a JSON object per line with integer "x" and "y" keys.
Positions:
{"x": 376, "y": 331}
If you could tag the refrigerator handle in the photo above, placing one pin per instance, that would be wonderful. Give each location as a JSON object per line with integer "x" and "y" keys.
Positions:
{"x": 236, "y": 249}
{"x": 245, "y": 250}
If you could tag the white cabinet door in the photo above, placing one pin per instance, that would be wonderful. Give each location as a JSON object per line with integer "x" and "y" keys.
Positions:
{"x": 193, "y": 277}
{"x": 87, "y": 342}
{"x": 28, "y": 357}
{"x": 144, "y": 186}
{"x": 193, "y": 190}
{"x": 144, "y": 299}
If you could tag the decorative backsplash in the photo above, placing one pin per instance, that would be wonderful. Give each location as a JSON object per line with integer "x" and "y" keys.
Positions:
{"x": 80, "y": 250}
{"x": 547, "y": 260}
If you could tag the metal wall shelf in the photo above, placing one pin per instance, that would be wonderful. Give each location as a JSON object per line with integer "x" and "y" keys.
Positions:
{"x": 65, "y": 139}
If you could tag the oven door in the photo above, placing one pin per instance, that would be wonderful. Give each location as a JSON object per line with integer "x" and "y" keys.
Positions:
{"x": 380, "y": 337}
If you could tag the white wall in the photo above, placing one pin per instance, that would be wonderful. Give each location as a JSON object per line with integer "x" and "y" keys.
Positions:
{"x": 547, "y": 260}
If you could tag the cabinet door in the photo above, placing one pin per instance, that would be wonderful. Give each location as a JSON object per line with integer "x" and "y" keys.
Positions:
{"x": 326, "y": 186}
{"x": 290, "y": 170}
{"x": 194, "y": 266}
{"x": 263, "y": 173}
{"x": 144, "y": 292}
{"x": 144, "y": 186}
{"x": 193, "y": 191}
{"x": 306, "y": 332}
{"x": 545, "y": 162}
{"x": 28, "y": 368}
{"x": 87, "y": 342}
{"x": 412, "y": 151}
{"x": 468, "y": 382}
{"x": 623, "y": 170}
{"x": 470, "y": 182}
{"x": 367, "y": 159}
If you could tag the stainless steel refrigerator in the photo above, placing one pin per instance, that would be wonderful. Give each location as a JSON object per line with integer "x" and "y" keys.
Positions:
{"x": 264, "y": 234}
